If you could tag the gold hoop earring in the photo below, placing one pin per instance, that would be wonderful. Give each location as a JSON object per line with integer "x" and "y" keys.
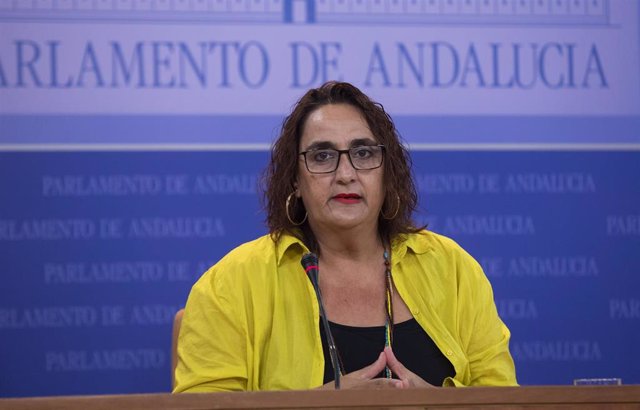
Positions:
{"x": 286, "y": 210}
{"x": 395, "y": 213}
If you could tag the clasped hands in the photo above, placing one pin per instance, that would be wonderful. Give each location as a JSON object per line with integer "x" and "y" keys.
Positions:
{"x": 365, "y": 378}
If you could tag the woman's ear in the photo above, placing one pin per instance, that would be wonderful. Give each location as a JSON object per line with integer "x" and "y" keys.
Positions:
{"x": 297, "y": 191}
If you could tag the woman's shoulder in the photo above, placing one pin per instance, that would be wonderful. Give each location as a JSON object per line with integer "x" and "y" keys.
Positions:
{"x": 244, "y": 261}
{"x": 432, "y": 240}
{"x": 252, "y": 262}
{"x": 255, "y": 251}
{"x": 440, "y": 246}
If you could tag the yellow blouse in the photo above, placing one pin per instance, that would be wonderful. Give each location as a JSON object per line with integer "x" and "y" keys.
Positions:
{"x": 252, "y": 321}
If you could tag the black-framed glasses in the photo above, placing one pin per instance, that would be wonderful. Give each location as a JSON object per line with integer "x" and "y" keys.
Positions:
{"x": 326, "y": 160}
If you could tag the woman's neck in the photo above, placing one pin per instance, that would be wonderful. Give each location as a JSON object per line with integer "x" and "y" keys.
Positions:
{"x": 352, "y": 276}
{"x": 355, "y": 244}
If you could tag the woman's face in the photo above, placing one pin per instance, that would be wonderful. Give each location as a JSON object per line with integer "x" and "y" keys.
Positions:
{"x": 345, "y": 198}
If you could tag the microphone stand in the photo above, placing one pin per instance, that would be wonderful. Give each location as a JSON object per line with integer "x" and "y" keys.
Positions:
{"x": 310, "y": 265}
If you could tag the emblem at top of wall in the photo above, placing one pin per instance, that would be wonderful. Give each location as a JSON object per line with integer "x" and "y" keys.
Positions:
{"x": 532, "y": 13}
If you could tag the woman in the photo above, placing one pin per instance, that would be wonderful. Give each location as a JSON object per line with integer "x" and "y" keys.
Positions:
{"x": 406, "y": 307}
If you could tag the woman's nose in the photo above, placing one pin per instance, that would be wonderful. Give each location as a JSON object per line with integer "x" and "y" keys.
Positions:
{"x": 345, "y": 169}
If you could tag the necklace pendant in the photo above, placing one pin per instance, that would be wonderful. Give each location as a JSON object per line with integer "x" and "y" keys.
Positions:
{"x": 386, "y": 258}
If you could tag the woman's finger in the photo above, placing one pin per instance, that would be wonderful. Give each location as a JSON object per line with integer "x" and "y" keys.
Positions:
{"x": 408, "y": 378}
{"x": 394, "y": 364}
{"x": 379, "y": 383}
{"x": 362, "y": 378}
{"x": 372, "y": 370}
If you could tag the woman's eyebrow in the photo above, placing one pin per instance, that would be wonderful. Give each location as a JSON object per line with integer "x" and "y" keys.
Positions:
{"x": 320, "y": 145}
{"x": 362, "y": 141}
{"x": 330, "y": 145}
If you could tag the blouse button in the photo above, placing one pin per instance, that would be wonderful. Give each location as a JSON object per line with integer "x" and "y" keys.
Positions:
{"x": 415, "y": 312}
{"x": 449, "y": 352}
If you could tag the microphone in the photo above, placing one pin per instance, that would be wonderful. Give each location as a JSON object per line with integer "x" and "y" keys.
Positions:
{"x": 309, "y": 262}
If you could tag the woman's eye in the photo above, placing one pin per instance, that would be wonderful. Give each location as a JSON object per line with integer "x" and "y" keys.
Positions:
{"x": 362, "y": 152}
{"x": 322, "y": 156}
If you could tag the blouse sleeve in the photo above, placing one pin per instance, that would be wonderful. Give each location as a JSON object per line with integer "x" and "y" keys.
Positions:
{"x": 213, "y": 347}
{"x": 485, "y": 338}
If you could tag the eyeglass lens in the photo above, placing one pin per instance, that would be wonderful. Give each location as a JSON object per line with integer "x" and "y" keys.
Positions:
{"x": 326, "y": 160}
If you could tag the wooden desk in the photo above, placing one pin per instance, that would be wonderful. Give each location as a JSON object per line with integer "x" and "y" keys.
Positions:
{"x": 559, "y": 397}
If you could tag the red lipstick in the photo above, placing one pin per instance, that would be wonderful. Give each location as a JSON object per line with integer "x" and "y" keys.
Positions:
{"x": 348, "y": 198}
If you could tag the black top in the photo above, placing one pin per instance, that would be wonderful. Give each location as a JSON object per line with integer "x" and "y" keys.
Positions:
{"x": 358, "y": 347}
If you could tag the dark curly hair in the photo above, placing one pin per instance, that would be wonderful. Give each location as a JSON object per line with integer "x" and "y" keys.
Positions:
{"x": 280, "y": 176}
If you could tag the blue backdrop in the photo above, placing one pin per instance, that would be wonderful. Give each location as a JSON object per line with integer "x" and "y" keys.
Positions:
{"x": 130, "y": 153}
